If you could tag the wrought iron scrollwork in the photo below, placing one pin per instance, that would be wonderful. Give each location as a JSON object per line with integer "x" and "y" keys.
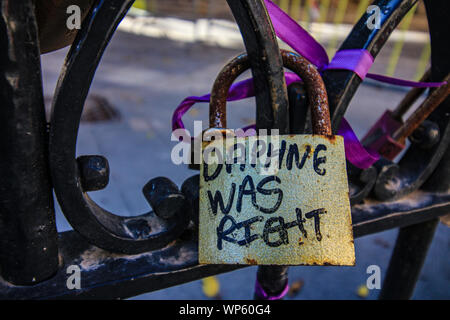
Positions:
{"x": 393, "y": 180}
{"x": 418, "y": 163}
{"x": 427, "y": 156}
{"x": 28, "y": 234}
{"x": 72, "y": 178}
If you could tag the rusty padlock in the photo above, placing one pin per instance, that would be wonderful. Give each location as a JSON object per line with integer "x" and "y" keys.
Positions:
{"x": 291, "y": 210}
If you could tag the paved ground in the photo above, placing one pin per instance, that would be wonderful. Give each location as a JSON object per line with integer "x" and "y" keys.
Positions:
{"x": 145, "y": 79}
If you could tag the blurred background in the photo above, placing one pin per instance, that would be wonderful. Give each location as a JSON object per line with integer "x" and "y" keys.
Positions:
{"x": 329, "y": 21}
{"x": 166, "y": 50}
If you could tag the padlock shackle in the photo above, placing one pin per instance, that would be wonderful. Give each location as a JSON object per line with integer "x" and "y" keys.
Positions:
{"x": 317, "y": 94}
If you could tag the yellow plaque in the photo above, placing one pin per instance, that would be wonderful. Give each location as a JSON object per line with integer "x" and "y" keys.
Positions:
{"x": 275, "y": 200}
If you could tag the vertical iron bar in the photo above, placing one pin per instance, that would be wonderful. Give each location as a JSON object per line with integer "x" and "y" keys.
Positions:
{"x": 407, "y": 260}
{"x": 413, "y": 241}
{"x": 28, "y": 237}
{"x": 271, "y": 94}
{"x": 267, "y": 67}
{"x": 272, "y": 278}
{"x": 438, "y": 20}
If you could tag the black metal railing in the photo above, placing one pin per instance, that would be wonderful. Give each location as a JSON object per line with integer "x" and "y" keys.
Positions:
{"x": 121, "y": 257}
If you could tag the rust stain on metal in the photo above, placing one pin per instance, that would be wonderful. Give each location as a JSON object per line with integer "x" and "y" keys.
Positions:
{"x": 303, "y": 68}
{"x": 219, "y": 93}
{"x": 423, "y": 111}
{"x": 251, "y": 261}
{"x": 332, "y": 139}
{"x": 317, "y": 93}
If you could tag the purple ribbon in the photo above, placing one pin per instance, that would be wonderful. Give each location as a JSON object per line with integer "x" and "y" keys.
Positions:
{"x": 262, "y": 294}
{"x": 356, "y": 60}
{"x": 354, "y": 151}
{"x": 359, "y": 61}
{"x": 238, "y": 91}
{"x": 288, "y": 30}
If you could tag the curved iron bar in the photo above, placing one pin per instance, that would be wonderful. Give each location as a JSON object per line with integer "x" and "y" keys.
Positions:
{"x": 100, "y": 227}
{"x": 106, "y": 230}
{"x": 266, "y": 64}
{"x": 342, "y": 84}
{"x": 425, "y": 154}
{"x": 270, "y": 90}
{"x": 439, "y": 20}
{"x": 361, "y": 182}
{"x": 417, "y": 164}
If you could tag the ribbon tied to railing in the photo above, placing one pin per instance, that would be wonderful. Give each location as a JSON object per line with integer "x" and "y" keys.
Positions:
{"x": 358, "y": 61}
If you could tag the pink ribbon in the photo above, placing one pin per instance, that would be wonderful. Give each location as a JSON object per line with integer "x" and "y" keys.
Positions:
{"x": 359, "y": 61}
{"x": 263, "y": 295}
